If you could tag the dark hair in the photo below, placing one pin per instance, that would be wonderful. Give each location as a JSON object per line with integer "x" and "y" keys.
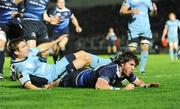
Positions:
{"x": 13, "y": 45}
{"x": 125, "y": 57}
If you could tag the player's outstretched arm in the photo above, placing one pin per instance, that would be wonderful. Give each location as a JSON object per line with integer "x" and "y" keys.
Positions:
{"x": 45, "y": 46}
{"x": 103, "y": 84}
{"x": 29, "y": 85}
{"x": 140, "y": 83}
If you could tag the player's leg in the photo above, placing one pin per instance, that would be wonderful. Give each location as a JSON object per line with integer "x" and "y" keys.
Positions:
{"x": 92, "y": 60}
{"x": 109, "y": 49}
{"x": 176, "y": 43}
{"x": 114, "y": 49}
{"x": 171, "y": 51}
{"x": 42, "y": 37}
{"x": 29, "y": 34}
{"x": 2, "y": 52}
{"x": 133, "y": 40}
{"x": 144, "y": 54}
{"x": 62, "y": 46}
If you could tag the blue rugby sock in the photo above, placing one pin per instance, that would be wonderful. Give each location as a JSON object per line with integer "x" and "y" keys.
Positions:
{"x": 144, "y": 57}
{"x": 97, "y": 61}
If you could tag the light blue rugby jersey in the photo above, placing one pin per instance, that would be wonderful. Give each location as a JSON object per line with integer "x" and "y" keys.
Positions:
{"x": 34, "y": 9}
{"x": 64, "y": 15}
{"x": 172, "y": 27}
{"x": 139, "y": 22}
{"x": 6, "y": 9}
{"x": 33, "y": 66}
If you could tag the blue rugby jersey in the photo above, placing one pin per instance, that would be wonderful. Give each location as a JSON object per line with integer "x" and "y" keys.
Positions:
{"x": 111, "y": 73}
{"x": 34, "y": 9}
{"x": 7, "y": 7}
{"x": 65, "y": 15}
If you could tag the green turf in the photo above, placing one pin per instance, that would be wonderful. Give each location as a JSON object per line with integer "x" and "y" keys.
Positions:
{"x": 159, "y": 69}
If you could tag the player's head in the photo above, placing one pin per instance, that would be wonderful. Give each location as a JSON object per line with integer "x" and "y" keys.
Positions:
{"x": 172, "y": 16}
{"x": 127, "y": 61}
{"x": 60, "y": 4}
{"x": 111, "y": 29}
{"x": 18, "y": 48}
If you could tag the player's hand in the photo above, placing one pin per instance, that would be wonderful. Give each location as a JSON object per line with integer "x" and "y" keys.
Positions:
{"x": 135, "y": 11}
{"x": 154, "y": 7}
{"x": 150, "y": 85}
{"x": 14, "y": 14}
{"x": 129, "y": 87}
{"x": 78, "y": 29}
{"x": 54, "y": 20}
{"x": 48, "y": 86}
{"x": 153, "y": 85}
{"x": 163, "y": 38}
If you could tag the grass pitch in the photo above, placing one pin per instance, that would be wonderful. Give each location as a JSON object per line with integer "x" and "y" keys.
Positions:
{"x": 159, "y": 69}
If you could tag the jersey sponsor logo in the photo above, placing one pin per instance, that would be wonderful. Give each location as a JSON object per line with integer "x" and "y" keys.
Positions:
{"x": 19, "y": 75}
{"x": 33, "y": 34}
{"x": 38, "y": 4}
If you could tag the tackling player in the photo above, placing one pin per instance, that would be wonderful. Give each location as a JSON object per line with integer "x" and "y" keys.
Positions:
{"x": 171, "y": 30}
{"x": 139, "y": 31}
{"x": 65, "y": 16}
{"x": 27, "y": 64}
{"x": 109, "y": 76}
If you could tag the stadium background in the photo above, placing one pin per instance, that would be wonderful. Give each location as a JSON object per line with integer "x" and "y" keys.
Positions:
{"x": 96, "y": 16}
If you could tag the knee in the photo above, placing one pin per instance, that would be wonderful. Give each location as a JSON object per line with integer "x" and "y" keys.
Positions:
{"x": 132, "y": 47}
{"x": 85, "y": 56}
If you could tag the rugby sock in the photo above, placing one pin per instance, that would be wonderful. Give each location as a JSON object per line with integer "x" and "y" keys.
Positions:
{"x": 61, "y": 54}
{"x": 171, "y": 53}
{"x": 42, "y": 59}
{"x": 97, "y": 61}
{"x": 55, "y": 58}
{"x": 2, "y": 58}
{"x": 144, "y": 57}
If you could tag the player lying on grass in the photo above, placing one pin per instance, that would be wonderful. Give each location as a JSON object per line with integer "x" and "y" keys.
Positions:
{"x": 28, "y": 66}
{"x": 109, "y": 76}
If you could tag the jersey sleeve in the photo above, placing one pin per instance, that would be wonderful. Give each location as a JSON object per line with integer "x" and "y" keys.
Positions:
{"x": 71, "y": 14}
{"x": 106, "y": 74}
{"x": 51, "y": 11}
{"x": 126, "y": 3}
{"x": 131, "y": 78}
{"x": 34, "y": 51}
{"x": 179, "y": 24}
{"x": 23, "y": 75}
{"x": 166, "y": 25}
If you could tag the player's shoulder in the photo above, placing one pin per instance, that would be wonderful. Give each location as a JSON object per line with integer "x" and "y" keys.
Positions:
{"x": 112, "y": 66}
{"x": 168, "y": 21}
